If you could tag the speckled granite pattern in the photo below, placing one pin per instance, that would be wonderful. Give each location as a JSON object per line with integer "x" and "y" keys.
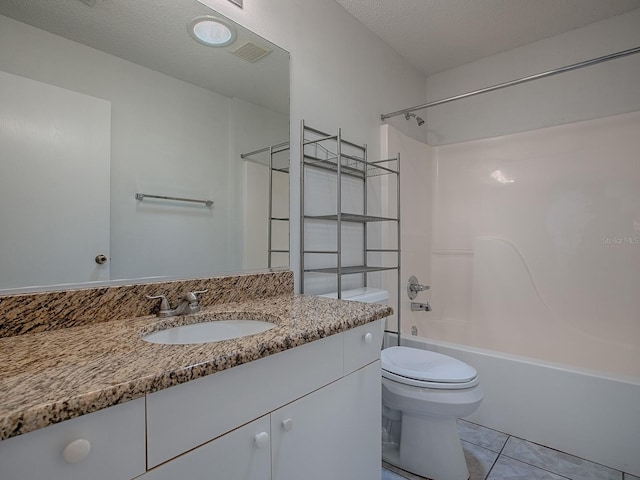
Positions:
{"x": 48, "y": 377}
{"x": 39, "y": 312}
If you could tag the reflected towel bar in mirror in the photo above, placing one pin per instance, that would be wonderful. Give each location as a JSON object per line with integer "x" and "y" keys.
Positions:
{"x": 142, "y": 196}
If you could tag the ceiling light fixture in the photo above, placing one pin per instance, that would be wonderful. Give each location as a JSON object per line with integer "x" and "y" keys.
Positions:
{"x": 212, "y": 31}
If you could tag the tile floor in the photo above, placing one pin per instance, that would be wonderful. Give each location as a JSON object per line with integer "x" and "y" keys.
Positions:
{"x": 492, "y": 455}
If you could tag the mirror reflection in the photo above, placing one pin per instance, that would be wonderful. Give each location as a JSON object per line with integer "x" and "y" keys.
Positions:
{"x": 132, "y": 146}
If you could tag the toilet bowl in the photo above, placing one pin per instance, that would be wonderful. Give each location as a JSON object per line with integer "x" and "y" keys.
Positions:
{"x": 423, "y": 393}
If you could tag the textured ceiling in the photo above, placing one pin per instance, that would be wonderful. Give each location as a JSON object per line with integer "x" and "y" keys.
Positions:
{"x": 435, "y": 35}
{"x": 153, "y": 33}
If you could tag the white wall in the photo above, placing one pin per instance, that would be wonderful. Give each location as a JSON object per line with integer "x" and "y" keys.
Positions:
{"x": 415, "y": 199}
{"x": 342, "y": 75}
{"x": 601, "y": 90}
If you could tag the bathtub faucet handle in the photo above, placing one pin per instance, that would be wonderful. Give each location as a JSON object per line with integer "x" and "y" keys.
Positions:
{"x": 413, "y": 287}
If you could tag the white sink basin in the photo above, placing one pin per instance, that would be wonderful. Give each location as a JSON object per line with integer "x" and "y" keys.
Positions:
{"x": 206, "y": 332}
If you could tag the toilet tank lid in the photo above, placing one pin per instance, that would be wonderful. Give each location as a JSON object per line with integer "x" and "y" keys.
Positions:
{"x": 426, "y": 365}
{"x": 363, "y": 294}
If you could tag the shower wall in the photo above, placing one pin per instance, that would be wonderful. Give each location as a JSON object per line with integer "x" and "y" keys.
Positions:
{"x": 532, "y": 253}
{"x": 536, "y": 205}
{"x": 416, "y": 218}
{"x": 536, "y": 244}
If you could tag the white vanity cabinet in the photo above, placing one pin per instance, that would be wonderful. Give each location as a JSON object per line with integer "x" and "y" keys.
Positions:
{"x": 317, "y": 408}
{"x": 105, "y": 445}
{"x": 309, "y": 412}
{"x": 188, "y": 415}
{"x": 333, "y": 433}
{"x": 242, "y": 454}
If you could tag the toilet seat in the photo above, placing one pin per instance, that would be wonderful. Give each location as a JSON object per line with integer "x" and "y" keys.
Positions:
{"x": 427, "y": 369}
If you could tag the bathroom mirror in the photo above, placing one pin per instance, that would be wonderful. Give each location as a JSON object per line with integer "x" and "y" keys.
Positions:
{"x": 122, "y": 141}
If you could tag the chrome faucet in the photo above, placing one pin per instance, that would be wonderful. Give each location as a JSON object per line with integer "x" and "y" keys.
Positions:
{"x": 188, "y": 305}
{"x": 413, "y": 288}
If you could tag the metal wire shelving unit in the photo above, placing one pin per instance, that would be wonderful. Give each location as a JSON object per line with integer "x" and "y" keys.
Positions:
{"x": 333, "y": 153}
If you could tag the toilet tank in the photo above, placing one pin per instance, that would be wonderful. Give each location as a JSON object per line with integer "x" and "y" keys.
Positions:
{"x": 363, "y": 294}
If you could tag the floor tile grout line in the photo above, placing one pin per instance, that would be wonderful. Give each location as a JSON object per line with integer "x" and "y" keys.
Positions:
{"x": 534, "y": 443}
{"x": 483, "y": 446}
{"x": 527, "y": 463}
{"x": 539, "y": 467}
{"x": 562, "y": 452}
{"x": 501, "y": 453}
{"x": 497, "y": 456}
{"x": 486, "y": 428}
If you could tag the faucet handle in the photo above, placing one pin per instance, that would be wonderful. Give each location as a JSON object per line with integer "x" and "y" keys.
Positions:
{"x": 413, "y": 287}
{"x": 193, "y": 296}
{"x": 164, "y": 304}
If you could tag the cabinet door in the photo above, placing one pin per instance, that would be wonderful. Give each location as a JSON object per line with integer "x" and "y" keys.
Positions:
{"x": 333, "y": 433}
{"x": 182, "y": 417}
{"x": 105, "y": 445}
{"x": 242, "y": 454}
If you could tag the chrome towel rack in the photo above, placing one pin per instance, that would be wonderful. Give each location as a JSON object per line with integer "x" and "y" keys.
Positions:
{"x": 142, "y": 196}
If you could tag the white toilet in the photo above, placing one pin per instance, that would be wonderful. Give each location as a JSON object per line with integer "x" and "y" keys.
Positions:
{"x": 423, "y": 393}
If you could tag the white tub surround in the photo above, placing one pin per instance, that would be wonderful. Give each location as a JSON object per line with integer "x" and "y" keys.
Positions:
{"x": 591, "y": 415}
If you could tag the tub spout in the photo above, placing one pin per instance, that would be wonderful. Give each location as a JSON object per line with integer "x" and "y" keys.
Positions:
{"x": 417, "y": 307}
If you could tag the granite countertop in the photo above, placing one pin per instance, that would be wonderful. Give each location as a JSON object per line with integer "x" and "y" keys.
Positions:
{"x": 48, "y": 377}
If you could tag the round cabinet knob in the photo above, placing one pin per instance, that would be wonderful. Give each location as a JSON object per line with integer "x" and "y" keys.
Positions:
{"x": 262, "y": 439}
{"x": 76, "y": 451}
{"x": 287, "y": 424}
{"x": 367, "y": 337}
{"x": 101, "y": 259}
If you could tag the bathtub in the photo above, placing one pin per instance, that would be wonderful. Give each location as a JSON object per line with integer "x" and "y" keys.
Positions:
{"x": 591, "y": 415}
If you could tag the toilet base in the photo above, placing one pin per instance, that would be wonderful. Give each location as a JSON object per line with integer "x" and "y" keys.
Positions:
{"x": 429, "y": 447}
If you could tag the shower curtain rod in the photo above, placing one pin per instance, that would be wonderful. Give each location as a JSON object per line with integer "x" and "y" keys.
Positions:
{"x": 518, "y": 81}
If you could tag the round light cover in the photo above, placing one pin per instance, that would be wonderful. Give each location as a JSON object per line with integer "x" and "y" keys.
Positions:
{"x": 212, "y": 31}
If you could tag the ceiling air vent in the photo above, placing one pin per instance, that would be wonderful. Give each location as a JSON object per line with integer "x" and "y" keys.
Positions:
{"x": 251, "y": 52}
